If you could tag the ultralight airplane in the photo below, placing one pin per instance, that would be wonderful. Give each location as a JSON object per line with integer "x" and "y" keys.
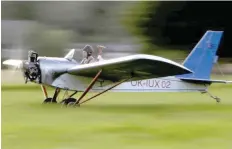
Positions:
{"x": 135, "y": 73}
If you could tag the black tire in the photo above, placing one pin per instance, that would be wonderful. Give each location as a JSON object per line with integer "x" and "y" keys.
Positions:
{"x": 69, "y": 100}
{"x": 49, "y": 100}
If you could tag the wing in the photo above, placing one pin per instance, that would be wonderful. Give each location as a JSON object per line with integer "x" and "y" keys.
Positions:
{"x": 139, "y": 66}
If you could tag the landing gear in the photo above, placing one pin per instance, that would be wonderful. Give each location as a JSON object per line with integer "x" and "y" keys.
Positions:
{"x": 72, "y": 101}
{"x": 212, "y": 96}
{"x": 49, "y": 99}
{"x": 69, "y": 100}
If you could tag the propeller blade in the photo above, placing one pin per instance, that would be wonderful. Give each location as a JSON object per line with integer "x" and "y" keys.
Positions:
{"x": 14, "y": 63}
{"x": 229, "y": 82}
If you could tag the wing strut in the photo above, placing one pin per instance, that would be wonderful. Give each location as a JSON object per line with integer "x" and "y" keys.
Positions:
{"x": 103, "y": 91}
{"x": 89, "y": 87}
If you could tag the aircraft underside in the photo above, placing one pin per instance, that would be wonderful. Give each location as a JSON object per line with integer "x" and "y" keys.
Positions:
{"x": 83, "y": 85}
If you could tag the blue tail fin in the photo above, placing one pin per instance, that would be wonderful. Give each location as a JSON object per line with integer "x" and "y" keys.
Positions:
{"x": 202, "y": 57}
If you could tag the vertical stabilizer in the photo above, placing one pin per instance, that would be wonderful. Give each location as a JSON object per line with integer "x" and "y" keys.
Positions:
{"x": 203, "y": 56}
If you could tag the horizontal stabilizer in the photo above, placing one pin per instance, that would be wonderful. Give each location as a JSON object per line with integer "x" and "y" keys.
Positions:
{"x": 204, "y": 81}
{"x": 229, "y": 82}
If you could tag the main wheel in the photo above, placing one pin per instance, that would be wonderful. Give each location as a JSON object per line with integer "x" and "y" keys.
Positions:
{"x": 69, "y": 101}
{"x": 49, "y": 100}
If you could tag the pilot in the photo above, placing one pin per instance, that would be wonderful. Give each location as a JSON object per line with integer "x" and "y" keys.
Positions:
{"x": 100, "y": 48}
{"x": 87, "y": 55}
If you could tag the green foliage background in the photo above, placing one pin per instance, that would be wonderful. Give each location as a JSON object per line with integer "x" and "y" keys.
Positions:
{"x": 139, "y": 14}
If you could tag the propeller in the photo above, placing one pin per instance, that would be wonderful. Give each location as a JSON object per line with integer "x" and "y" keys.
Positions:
{"x": 15, "y": 57}
{"x": 15, "y": 63}
{"x": 29, "y": 68}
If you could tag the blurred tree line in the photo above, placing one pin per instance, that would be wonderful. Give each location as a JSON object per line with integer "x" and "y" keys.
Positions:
{"x": 179, "y": 24}
{"x": 159, "y": 26}
{"x": 57, "y": 25}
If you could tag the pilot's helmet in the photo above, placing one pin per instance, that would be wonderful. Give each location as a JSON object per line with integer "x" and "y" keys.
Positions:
{"x": 88, "y": 49}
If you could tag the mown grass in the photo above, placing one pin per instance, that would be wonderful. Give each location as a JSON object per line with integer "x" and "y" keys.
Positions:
{"x": 118, "y": 120}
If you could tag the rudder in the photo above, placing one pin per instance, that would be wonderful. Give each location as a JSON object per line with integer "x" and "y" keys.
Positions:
{"x": 202, "y": 57}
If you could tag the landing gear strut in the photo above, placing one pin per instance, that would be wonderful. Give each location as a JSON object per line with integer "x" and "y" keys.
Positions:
{"x": 49, "y": 99}
{"x": 212, "y": 96}
{"x": 65, "y": 101}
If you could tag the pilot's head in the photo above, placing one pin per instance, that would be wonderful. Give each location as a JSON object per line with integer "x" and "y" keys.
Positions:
{"x": 87, "y": 51}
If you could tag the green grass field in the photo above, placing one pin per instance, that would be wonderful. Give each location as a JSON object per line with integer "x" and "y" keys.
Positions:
{"x": 118, "y": 121}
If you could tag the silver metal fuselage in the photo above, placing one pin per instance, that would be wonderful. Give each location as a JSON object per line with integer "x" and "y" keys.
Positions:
{"x": 52, "y": 67}
{"x": 54, "y": 73}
